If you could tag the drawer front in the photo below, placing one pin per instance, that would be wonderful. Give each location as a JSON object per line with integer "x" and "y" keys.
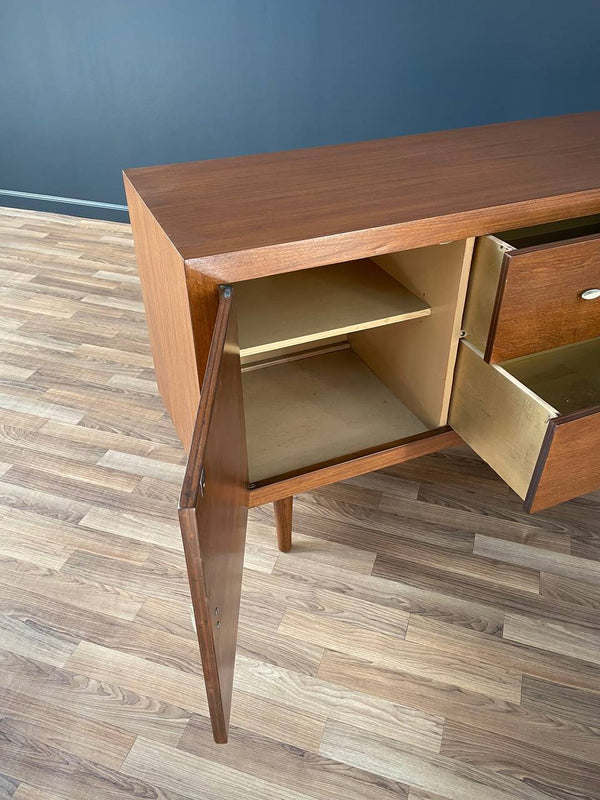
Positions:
{"x": 569, "y": 461}
{"x": 539, "y": 303}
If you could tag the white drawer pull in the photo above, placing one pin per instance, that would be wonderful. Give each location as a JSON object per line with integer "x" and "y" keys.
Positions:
{"x": 591, "y": 294}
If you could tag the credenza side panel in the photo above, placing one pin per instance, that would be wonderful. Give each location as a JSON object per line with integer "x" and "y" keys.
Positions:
{"x": 166, "y": 300}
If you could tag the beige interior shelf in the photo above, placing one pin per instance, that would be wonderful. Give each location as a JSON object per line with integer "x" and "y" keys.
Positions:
{"x": 297, "y": 307}
{"x": 303, "y": 412}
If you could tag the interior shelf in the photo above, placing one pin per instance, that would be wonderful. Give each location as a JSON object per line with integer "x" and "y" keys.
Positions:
{"x": 298, "y": 307}
{"x": 304, "y": 412}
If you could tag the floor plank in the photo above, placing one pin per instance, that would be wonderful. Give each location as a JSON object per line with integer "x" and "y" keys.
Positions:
{"x": 56, "y": 585}
{"x": 300, "y": 770}
{"x": 554, "y": 775}
{"x": 178, "y": 771}
{"x": 8, "y": 787}
{"x": 566, "y": 702}
{"x": 393, "y": 594}
{"x": 515, "y": 553}
{"x": 570, "y": 590}
{"x": 140, "y": 714}
{"x": 50, "y": 769}
{"x": 515, "y": 650}
{"x": 411, "y": 765}
{"x": 26, "y": 792}
{"x": 420, "y": 609}
{"x": 90, "y": 739}
{"x": 557, "y": 637}
{"x": 403, "y": 655}
{"x": 527, "y": 725}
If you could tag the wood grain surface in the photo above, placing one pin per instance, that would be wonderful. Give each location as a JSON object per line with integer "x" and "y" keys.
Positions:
{"x": 241, "y": 218}
{"x": 284, "y": 510}
{"x": 539, "y": 304}
{"x": 213, "y": 511}
{"x": 568, "y": 464}
{"x": 424, "y": 639}
{"x": 168, "y": 317}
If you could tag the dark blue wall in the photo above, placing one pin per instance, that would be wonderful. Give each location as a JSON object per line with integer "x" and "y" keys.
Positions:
{"x": 88, "y": 87}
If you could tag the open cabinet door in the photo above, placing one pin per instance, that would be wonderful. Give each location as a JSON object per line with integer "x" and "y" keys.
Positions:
{"x": 213, "y": 511}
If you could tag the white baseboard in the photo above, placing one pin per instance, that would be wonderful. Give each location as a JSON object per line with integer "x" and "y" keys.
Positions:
{"x": 69, "y": 200}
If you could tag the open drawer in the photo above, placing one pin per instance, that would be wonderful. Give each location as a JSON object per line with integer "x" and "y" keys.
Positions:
{"x": 533, "y": 289}
{"x": 535, "y": 420}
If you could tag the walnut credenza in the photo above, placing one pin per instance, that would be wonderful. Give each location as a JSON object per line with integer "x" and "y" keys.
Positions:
{"x": 322, "y": 313}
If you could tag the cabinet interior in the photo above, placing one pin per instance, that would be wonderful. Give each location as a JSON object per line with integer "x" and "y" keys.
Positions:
{"x": 349, "y": 358}
{"x": 300, "y": 307}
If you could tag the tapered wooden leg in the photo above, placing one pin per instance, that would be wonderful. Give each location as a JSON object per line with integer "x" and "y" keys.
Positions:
{"x": 283, "y": 521}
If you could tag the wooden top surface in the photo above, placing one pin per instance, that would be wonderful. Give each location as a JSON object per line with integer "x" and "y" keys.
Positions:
{"x": 233, "y": 217}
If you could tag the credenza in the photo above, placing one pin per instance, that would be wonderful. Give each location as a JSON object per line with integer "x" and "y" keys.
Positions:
{"x": 321, "y": 313}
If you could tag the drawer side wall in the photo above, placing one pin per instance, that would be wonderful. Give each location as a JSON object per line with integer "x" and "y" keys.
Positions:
{"x": 500, "y": 419}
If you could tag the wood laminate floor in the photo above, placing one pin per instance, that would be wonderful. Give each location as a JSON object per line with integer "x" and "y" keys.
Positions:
{"x": 425, "y": 638}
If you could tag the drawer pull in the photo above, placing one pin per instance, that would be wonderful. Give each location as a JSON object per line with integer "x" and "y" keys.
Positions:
{"x": 591, "y": 294}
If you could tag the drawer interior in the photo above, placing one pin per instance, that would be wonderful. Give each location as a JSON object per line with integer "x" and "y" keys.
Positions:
{"x": 299, "y": 307}
{"x": 502, "y": 410}
{"x": 567, "y": 378}
{"x": 332, "y": 373}
{"x": 560, "y": 231}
